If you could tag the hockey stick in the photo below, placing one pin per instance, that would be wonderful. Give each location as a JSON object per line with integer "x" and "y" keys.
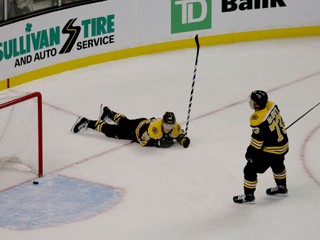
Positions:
{"x": 193, "y": 82}
{"x": 303, "y": 115}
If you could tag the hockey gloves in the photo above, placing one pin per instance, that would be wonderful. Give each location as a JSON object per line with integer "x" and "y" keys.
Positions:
{"x": 248, "y": 157}
{"x": 164, "y": 142}
{"x": 183, "y": 140}
{"x": 251, "y": 154}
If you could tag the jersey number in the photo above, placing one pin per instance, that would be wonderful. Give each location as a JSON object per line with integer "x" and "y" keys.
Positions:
{"x": 278, "y": 125}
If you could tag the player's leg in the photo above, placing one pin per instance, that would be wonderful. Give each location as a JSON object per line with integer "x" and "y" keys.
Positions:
{"x": 280, "y": 177}
{"x": 249, "y": 185}
{"x": 258, "y": 165}
{"x": 106, "y": 113}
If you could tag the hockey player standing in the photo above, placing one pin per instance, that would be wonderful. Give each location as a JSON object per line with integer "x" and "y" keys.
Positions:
{"x": 268, "y": 147}
{"x": 160, "y": 132}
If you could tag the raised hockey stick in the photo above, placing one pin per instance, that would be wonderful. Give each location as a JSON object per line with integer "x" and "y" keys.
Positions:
{"x": 193, "y": 82}
{"x": 303, "y": 115}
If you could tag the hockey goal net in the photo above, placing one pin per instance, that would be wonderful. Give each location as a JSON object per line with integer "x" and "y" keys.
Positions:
{"x": 21, "y": 131}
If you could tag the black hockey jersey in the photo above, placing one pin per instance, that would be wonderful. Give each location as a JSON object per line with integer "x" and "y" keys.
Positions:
{"x": 268, "y": 130}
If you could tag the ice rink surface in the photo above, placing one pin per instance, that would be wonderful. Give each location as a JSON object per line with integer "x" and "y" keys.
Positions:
{"x": 177, "y": 193}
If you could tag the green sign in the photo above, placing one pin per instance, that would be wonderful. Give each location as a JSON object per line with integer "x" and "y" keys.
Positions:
{"x": 190, "y": 15}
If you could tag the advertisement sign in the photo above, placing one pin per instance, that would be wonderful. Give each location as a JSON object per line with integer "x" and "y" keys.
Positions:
{"x": 190, "y": 15}
{"x": 60, "y": 36}
{"x": 117, "y": 25}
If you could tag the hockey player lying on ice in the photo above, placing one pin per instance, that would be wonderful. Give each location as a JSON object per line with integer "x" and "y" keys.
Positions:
{"x": 162, "y": 132}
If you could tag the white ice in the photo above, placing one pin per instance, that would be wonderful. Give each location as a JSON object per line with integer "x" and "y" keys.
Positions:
{"x": 176, "y": 193}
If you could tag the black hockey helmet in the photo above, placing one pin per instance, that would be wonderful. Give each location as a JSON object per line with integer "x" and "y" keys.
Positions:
{"x": 260, "y": 98}
{"x": 169, "y": 118}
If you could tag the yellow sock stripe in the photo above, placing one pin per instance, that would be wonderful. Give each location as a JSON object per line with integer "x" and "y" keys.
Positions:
{"x": 117, "y": 117}
{"x": 98, "y": 125}
{"x": 281, "y": 175}
{"x": 250, "y": 184}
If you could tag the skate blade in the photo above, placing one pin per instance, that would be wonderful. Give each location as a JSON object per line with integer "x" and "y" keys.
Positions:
{"x": 101, "y": 112}
{"x": 245, "y": 203}
{"x": 71, "y": 130}
{"x": 278, "y": 195}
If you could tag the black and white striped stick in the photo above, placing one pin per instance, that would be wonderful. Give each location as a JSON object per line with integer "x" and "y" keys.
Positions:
{"x": 193, "y": 82}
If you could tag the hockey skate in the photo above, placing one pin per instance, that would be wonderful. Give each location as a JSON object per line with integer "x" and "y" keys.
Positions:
{"x": 278, "y": 190}
{"x": 244, "y": 198}
{"x": 104, "y": 112}
{"x": 80, "y": 125}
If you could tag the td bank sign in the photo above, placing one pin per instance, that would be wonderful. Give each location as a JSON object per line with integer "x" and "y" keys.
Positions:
{"x": 190, "y": 15}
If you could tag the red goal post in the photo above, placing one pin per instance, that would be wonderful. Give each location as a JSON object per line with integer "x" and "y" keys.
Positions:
{"x": 21, "y": 120}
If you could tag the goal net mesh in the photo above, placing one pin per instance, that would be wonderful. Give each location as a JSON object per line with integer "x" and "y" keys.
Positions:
{"x": 20, "y": 144}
